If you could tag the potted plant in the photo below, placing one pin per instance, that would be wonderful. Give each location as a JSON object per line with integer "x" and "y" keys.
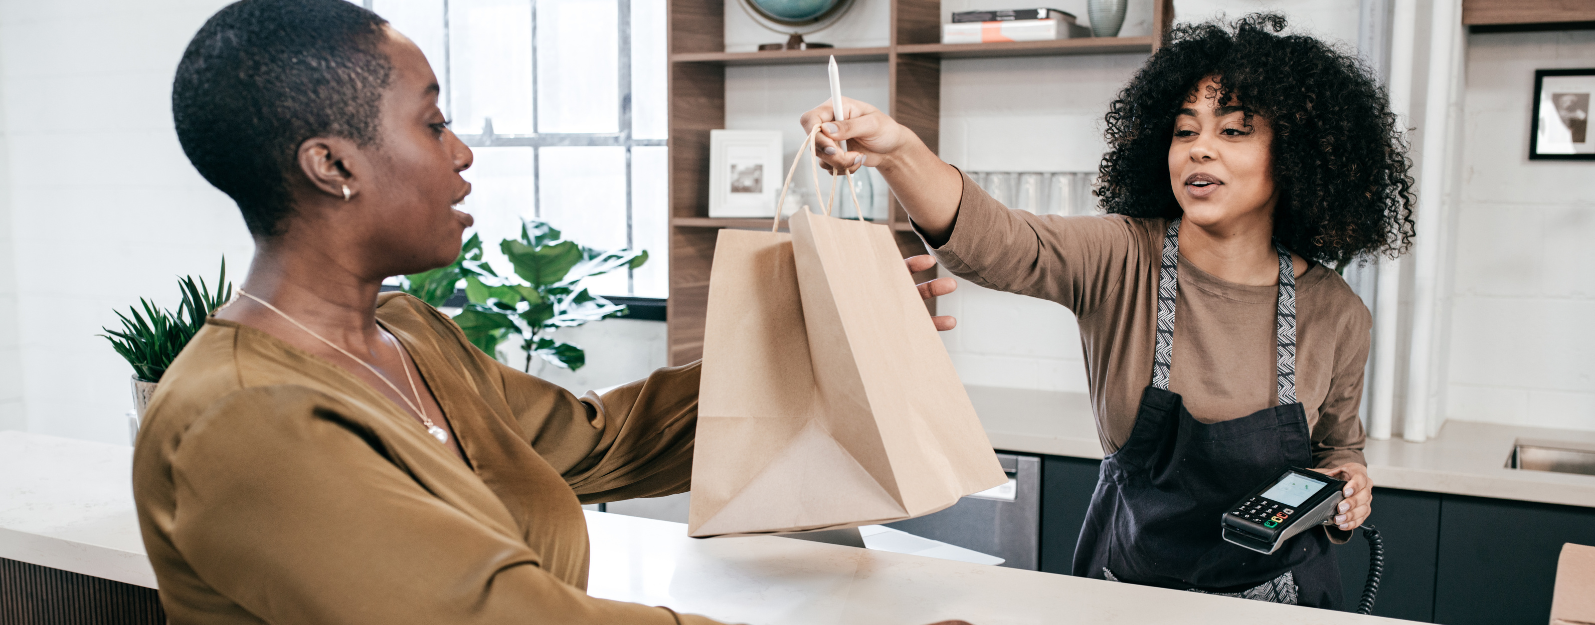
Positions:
{"x": 540, "y": 296}
{"x": 150, "y": 340}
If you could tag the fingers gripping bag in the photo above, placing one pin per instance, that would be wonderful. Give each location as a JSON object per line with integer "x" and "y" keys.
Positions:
{"x": 827, "y": 399}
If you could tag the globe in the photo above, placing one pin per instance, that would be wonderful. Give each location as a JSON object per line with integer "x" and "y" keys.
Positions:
{"x": 794, "y": 11}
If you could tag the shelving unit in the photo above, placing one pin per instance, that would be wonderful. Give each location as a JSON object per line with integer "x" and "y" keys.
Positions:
{"x": 696, "y": 36}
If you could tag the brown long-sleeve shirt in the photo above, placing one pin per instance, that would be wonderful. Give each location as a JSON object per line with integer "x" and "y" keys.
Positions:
{"x": 1105, "y": 269}
{"x": 274, "y": 487}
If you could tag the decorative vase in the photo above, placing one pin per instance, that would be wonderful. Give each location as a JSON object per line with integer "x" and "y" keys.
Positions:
{"x": 1107, "y": 16}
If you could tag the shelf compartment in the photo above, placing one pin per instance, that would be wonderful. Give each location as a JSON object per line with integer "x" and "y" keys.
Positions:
{"x": 785, "y": 57}
{"x": 1057, "y": 47}
{"x": 723, "y": 222}
{"x": 760, "y": 223}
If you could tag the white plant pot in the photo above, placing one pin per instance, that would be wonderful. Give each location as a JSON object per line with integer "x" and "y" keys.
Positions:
{"x": 142, "y": 393}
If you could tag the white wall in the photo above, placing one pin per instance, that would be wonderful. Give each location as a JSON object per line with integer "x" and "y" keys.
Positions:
{"x": 1524, "y": 295}
{"x": 12, "y": 416}
{"x": 98, "y": 207}
{"x": 618, "y": 351}
{"x": 103, "y": 206}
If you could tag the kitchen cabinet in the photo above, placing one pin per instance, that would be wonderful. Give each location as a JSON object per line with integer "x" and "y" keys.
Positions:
{"x": 1409, "y": 524}
{"x": 1449, "y": 559}
{"x": 1497, "y": 558}
{"x": 1066, "y": 487}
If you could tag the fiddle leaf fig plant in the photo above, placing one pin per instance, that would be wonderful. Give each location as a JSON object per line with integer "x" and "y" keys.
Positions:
{"x": 541, "y": 294}
{"x": 150, "y": 340}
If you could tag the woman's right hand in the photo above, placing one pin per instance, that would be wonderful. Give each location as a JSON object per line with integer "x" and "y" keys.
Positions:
{"x": 928, "y": 189}
{"x": 871, "y": 135}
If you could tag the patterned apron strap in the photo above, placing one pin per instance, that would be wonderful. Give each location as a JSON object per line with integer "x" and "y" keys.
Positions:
{"x": 1168, "y": 283}
{"x": 1285, "y": 327}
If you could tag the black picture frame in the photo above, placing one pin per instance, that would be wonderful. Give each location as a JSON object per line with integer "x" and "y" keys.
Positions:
{"x": 1582, "y": 135}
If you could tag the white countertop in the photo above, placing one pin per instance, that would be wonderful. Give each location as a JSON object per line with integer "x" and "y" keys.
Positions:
{"x": 779, "y": 581}
{"x": 68, "y": 504}
{"x": 1466, "y": 458}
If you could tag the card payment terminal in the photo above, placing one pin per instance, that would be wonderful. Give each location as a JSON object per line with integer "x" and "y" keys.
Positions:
{"x": 1286, "y": 506}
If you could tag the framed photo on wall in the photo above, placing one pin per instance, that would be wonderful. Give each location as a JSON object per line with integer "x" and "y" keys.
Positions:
{"x": 744, "y": 172}
{"x": 1561, "y": 128}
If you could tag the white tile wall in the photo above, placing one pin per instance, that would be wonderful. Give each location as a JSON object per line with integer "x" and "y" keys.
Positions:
{"x": 1524, "y": 295}
{"x": 102, "y": 207}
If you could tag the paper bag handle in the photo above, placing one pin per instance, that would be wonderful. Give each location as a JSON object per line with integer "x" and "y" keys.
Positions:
{"x": 814, "y": 167}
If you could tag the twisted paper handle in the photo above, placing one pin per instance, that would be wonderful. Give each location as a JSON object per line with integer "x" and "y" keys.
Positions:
{"x": 814, "y": 168}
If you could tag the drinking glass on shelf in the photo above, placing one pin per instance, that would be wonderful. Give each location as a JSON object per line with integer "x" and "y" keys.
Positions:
{"x": 1060, "y": 193}
{"x": 1032, "y": 190}
{"x": 1000, "y": 185}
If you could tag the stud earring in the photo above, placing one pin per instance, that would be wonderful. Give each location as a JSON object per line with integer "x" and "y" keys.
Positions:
{"x": 345, "y": 193}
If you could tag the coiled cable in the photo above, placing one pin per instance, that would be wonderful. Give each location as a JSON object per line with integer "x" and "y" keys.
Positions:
{"x": 1376, "y": 568}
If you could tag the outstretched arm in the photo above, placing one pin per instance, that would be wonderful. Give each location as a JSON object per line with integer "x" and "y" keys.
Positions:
{"x": 925, "y": 186}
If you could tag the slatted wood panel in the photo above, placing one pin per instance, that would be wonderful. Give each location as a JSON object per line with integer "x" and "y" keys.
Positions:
{"x": 36, "y": 595}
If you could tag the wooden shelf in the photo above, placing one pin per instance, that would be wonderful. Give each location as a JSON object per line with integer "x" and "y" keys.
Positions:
{"x": 784, "y": 57}
{"x": 723, "y": 222}
{"x": 1060, "y": 47}
{"x": 697, "y": 88}
{"x": 1505, "y": 13}
{"x": 755, "y": 223}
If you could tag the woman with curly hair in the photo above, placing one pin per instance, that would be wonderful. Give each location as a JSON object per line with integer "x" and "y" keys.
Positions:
{"x": 1243, "y": 165}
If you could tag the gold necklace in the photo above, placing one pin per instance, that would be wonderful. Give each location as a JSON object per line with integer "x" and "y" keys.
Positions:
{"x": 439, "y": 433}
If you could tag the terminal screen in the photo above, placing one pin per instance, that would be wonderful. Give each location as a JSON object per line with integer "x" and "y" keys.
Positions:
{"x": 1294, "y": 489}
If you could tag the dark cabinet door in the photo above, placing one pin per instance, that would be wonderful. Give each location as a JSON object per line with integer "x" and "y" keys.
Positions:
{"x": 1066, "y": 487}
{"x": 1409, "y": 525}
{"x": 1497, "y": 560}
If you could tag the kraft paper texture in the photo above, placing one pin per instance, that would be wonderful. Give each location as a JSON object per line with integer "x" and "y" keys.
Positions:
{"x": 827, "y": 399}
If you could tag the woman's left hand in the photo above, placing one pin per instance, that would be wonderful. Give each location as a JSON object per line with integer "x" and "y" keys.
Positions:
{"x": 1359, "y": 495}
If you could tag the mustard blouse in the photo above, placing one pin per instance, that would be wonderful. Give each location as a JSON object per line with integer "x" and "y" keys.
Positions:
{"x": 274, "y": 487}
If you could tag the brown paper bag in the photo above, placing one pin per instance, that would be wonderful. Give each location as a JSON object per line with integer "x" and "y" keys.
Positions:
{"x": 827, "y": 399}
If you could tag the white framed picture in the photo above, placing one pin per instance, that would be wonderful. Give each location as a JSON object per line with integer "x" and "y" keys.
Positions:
{"x": 744, "y": 172}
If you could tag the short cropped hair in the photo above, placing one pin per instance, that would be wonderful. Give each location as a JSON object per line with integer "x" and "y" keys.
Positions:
{"x": 1340, "y": 159}
{"x": 260, "y": 78}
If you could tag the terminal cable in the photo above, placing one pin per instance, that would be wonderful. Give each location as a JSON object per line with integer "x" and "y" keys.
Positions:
{"x": 1376, "y": 568}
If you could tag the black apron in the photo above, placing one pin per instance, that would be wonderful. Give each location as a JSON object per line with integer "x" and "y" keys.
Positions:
{"x": 1154, "y": 518}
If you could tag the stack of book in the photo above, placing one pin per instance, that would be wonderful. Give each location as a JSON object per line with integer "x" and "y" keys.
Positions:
{"x": 1012, "y": 25}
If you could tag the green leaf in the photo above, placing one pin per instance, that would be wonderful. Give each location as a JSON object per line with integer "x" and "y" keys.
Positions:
{"x": 563, "y": 355}
{"x": 542, "y": 265}
{"x": 597, "y": 262}
{"x": 475, "y": 291}
{"x": 484, "y": 327}
{"x": 152, "y": 337}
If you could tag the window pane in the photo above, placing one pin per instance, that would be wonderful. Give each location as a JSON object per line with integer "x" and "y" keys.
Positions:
{"x": 422, "y": 22}
{"x": 649, "y": 62}
{"x": 578, "y": 50}
{"x": 490, "y": 42}
{"x": 650, "y": 214}
{"x": 502, "y": 193}
{"x": 583, "y": 194}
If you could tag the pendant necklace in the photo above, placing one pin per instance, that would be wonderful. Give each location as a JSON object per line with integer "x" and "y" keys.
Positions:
{"x": 439, "y": 433}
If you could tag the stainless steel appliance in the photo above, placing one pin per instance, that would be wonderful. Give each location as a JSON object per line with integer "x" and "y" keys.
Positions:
{"x": 1003, "y": 522}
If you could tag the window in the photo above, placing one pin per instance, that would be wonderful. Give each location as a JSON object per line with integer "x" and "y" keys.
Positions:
{"x": 563, "y": 103}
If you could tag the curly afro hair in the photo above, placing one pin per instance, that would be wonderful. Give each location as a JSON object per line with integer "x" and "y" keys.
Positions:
{"x": 1340, "y": 160}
